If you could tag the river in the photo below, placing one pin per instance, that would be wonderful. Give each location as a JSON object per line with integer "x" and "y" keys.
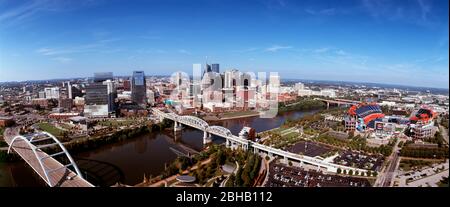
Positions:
{"x": 129, "y": 160}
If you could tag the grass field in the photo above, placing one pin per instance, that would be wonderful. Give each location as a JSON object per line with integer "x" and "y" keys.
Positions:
{"x": 408, "y": 164}
{"x": 238, "y": 113}
{"x": 116, "y": 123}
{"x": 50, "y": 128}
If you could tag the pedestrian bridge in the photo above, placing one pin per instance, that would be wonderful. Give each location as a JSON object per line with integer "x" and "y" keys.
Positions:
{"x": 54, "y": 173}
{"x": 232, "y": 140}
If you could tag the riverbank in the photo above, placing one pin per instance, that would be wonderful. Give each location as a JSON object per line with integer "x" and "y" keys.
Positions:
{"x": 90, "y": 143}
{"x": 231, "y": 115}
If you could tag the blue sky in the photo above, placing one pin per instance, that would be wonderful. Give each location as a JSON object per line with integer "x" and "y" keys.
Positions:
{"x": 403, "y": 42}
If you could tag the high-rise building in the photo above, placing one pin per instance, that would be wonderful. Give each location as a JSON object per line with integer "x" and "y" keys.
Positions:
{"x": 96, "y": 100}
{"x": 206, "y": 70}
{"x": 138, "y": 87}
{"x": 150, "y": 97}
{"x": 197, "y": 71}
{"x": 65, "y": 103}
{"x": 299, "y": 86}
{"x": 274, "y": 83}
{"x": 69, "y": 90}
{"x": 215, "y": 68}
{"x": 41, "y": 94}
{"x": 100, "y": 98}
{"x": 112, "y": 94}
{"x": 126, "y": 85}
{"x": 96, "y": 94}
{"x": 231, "y": 78}
{"x": 52, "y": 93}
{"x": 100, "y": 77}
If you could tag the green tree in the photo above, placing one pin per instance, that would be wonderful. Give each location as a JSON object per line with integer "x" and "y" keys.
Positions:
{"x": 230, "y": 181}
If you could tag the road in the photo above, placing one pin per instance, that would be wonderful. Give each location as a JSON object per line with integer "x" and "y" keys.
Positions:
{"x": 444, "y": 133}
{"x": 390, "y": 170}
{"x": 385, "y": 178}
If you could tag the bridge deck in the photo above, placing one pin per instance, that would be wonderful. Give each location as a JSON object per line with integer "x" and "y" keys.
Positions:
{"x": 58, "y": 178}
{"x": 262, "y": 147}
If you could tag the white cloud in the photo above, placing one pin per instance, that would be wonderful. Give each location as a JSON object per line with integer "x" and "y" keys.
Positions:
{"x": 276, "y": 48}
{"x": 53, "y": 51}
{"x": 327, "y": 12}
{"x": 341, "y": 52}
{"x": 322, "y": 50}
{"x": 251, "y": 49}
{"x": 63, "y": 59}
{"x": 183, "y": 51}
{"x": 33, "y": 8}
{"x": 98, "y": 46}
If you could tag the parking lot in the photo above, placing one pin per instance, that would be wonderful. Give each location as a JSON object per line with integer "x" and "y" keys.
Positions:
{"x": 281, "y": 175}
{"x": 308, "y": 148}
{"x": 429, "y": 176}
{"x": 359, "y": 160}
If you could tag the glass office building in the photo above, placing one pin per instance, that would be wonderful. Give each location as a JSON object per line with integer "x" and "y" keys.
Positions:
{"x": 138, "y": 87}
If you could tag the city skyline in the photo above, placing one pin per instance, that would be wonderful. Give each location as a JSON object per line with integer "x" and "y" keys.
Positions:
{"x": 359, "y": 41}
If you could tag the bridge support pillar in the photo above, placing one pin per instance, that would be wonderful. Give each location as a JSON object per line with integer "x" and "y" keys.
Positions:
{"x": 244, "y": 147}
{"x": 177, "y": 126}
{"x": 227, "y": 143}
{"x": 206, "y": 137}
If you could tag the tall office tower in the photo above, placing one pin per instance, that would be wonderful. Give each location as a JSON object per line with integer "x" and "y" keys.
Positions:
{"x": 100, "y": 77}
{"x": 138, "y": 88}
{"x": 197, "y": 71}
{"x": 69, "y": 90}
{"x": 177, "y": 79}
{"x": 231, "y": 78}
{"x": 98, "y": 101}
{"x": 215, "y": 68}
{"x": 274, "y": 83}
{"x": 112, "y": 94}
{"x": 206, "y": 70}
{"x": 52, "y": 93}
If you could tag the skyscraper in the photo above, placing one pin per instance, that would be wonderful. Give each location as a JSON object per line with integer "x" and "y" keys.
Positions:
{"x": 96, "y": 100}
{"x": 215, "y": 68}
{"x": 100, "y": 99}
{"x": 206, "y": 70}
{"x": 112, "y": 94}
{"x": 69, "y": 90}
{"x": 138, "y": 87}
{"x": 100, "y": 77}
